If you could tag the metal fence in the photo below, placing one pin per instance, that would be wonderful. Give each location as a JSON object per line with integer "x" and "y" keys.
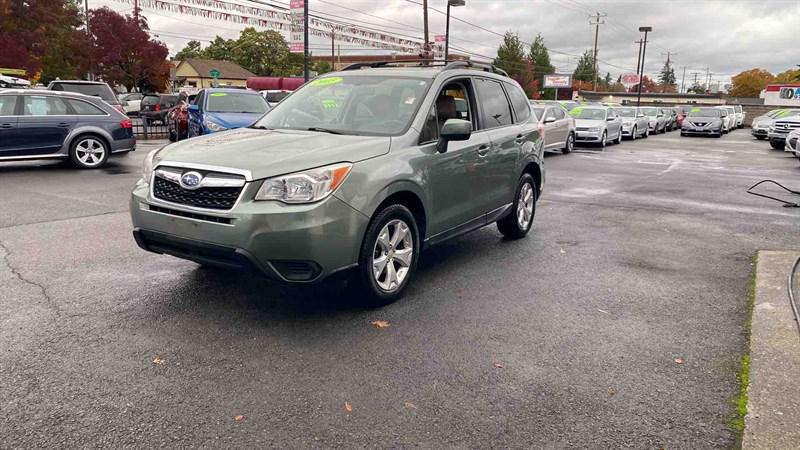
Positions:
{"x": 149, "y": 130}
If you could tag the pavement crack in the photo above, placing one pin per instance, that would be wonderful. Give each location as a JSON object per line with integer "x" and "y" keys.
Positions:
{"x": 17, "y": 274}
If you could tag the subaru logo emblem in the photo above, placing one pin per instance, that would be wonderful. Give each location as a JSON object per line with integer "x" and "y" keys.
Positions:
{"x": 191, "y": 180}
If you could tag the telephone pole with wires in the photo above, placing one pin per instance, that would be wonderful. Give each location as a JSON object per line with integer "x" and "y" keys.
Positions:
{"x": 596, "y": 21}
{"x": 639, "y": 59}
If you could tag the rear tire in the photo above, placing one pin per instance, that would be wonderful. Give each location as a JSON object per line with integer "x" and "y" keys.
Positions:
{"x": 619, "y": 137}
{"x": 519, "y": 221}
{"x": 388, "y": 256}
{"x": 88, "y": 151}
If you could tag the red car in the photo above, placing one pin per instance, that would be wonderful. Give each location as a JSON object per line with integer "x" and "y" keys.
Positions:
{"x": 681, "y": 113}
{"x": 178, "y": 120}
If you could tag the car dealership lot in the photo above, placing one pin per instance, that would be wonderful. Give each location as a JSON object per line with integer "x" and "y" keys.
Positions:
{"x": 641, "y": 255}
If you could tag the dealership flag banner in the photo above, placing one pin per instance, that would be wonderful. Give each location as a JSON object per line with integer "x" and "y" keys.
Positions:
{"x": 281, "y": 20}
{"x": 296, "y": 38}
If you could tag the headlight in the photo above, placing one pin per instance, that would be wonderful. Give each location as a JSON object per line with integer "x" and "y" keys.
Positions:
{"x": 213, "y": 126}
{"x": 594, "y": 129}
{"x": 304, "y": 187}
{"x": 147, "y": 170}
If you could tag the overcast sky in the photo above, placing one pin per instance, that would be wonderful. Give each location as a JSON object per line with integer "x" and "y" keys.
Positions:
{"x": 725, "y": 36}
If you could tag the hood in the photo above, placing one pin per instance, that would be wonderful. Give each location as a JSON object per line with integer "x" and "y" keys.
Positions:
{"x": 588, "y": 123}
{"x": 267, "y": 153}
{"x": 233, "y": 120}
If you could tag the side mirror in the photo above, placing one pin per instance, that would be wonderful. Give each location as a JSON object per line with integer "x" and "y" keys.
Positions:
{"x": 640, "y": 115}
{"x": 549, "y": 120}
{"x": 194, "y": 108}
{"x": 610, "y": 119}
{"x": 453, "y": 130}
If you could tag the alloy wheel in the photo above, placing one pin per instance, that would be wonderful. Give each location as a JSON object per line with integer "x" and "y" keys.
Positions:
{"x": 90, "y": 152}
{"x": 525, "y": 206}
{"x": 392, "y": 255}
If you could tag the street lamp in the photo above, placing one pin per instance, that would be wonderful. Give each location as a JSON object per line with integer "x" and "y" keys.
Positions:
{"x": 453, "y": 3}
{"x": 644, "y": 30}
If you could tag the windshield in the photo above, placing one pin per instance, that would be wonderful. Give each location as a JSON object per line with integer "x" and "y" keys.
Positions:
{"x": 588, "y": 113}
{"x": 97, "y": 90}
{"x": 236, "y": 102}
{"x": 703, "y": 112}
{"x": 626, "y": 112}
{"x": 538, "y": 111}
{"x": 350, "y": 104}
{"x": 787, "y": 113}
{"x": 275, "y": 97}
{"x": 569, "y": 105}
{"x": 652, "y": 112}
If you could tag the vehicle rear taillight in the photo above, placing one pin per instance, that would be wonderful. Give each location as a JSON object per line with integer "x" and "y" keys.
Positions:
{"x": 157, "y": 107}
{"x": 126, "y": 123}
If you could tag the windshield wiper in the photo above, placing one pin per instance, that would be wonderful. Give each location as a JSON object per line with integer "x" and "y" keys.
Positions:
{"x": 324, "y": 130}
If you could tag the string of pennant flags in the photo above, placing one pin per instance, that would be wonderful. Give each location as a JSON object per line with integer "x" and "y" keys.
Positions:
{"x": 280, "y": 21}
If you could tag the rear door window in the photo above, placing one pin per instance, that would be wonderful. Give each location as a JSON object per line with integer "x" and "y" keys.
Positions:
{"x": 8, "y": 104}
{"x": 519, "y": 102}
{"x": 494, "y": 104}
{"x": 40, "y": 105}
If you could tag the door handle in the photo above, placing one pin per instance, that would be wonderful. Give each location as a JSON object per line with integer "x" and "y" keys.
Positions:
{"x": 6, "y": 125}
{"x": 520, "y": 139}
{"x": 483, "y": 150}
{"x": 63, "y": 124}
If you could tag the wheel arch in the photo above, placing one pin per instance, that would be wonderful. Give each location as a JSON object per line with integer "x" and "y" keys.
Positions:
{"x": 88, "y": 132}
{"x": 409, "y": 195}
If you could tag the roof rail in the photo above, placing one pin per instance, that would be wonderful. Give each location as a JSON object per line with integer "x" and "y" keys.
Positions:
{"x": 486, "y": 67}
{"x": 377, "y": 64}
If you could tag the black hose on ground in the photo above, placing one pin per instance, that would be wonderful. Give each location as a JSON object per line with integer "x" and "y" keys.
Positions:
{"x": 786, "y": 204}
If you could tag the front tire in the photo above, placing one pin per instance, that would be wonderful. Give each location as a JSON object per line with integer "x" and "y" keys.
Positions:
{"x": 88, "y": 152}
{"x": 570, "y": 144}
{"x": 761, "y": 138}
{"x": 604, "y": 140}
{"x": 633, "y": 133}
{"x": 519, "y": 221}
{"x": 388, "y": 256}
{"x": 777, "y": 145}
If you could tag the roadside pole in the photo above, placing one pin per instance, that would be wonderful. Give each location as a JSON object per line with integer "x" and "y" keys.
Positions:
{"x": 305, "y": 40}
{"x": 641, "y": 76}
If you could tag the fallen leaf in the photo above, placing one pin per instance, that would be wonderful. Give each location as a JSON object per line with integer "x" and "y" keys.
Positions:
{"x": 679, "y": 361}
{"x": 410, "y": 405}
{"x": 562, "y": 251}
{"x": 603, "y": 311}
{"x": 239, "y": 418}
{"x": 499, "y": 365}
{"x": 380, "y": 324}
{"x": 158, "y": 360}
{"x": 348, "y": 407}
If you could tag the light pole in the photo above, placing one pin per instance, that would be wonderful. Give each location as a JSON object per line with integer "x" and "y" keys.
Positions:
{"x": 450, "y": 3}
{"x": 645, "y": 30}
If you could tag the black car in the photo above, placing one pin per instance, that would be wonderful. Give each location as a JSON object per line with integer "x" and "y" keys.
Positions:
{"x": 93, "y": 88}
{"x": 156, "y": 106}
{"x": 38, "y": 124}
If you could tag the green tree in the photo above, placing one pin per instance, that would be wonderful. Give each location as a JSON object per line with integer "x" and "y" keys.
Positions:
{"x": 666, "y": 78}
{"x": 191, "y": 50}
{"x": 219, "y": 48}
{"x": 585, "y": 68}
{"x": 264, "y": 53}
{"x": 322, "y": 67}
{"x": 511, "y": 55}
{"x": 539, "y": 57}
{"x": 607, "y": 80}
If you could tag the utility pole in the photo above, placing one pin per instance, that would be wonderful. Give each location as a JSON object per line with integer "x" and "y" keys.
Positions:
{"x": 426, "y": 39}
{"x": 596, "y": 22}
{"x": 645, "y": 30}
{"x": 333, "y": 56}
{"x": 88, "y": 38}
{"x": 639, "y": 57}
{"x": 136, "y": 9}
{"x": 683, "y": 79}
{"x": 305, "y": 40}
{"x": 708, "y": 78}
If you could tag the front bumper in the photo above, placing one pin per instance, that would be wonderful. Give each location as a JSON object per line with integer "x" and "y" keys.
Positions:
{"x": 291, "y": 243}
{"x": 759, "y": 131}
{"x": 588, "y": 136}
{"x": 701, "y": 131}
{"x": 777, "y": 137}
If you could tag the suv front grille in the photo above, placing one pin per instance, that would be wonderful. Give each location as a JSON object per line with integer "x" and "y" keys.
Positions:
{"x": 221, "y": 198}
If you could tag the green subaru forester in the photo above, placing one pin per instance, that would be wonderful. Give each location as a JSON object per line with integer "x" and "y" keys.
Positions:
{"x": 356, "y": 171}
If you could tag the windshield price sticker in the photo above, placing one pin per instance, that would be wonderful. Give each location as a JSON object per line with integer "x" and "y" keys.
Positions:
{"x": 218, "y": 94}
{"x": 327, "y": 81}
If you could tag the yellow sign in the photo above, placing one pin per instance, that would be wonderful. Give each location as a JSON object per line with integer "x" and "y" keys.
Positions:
{"x": 12, "y": 71}
{"x": 327, "y": 81}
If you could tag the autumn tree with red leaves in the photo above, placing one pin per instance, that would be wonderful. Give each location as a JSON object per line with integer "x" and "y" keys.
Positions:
{"x": 123, "y": 53}
{"x": 648, "y": 85}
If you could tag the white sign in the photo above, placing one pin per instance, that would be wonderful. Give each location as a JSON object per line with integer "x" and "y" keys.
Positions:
{"x": 296, "y": 35}
{"x": 557, "y": 81}
{"x": 629, "y": 79}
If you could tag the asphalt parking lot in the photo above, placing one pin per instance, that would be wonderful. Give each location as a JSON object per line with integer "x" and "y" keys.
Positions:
{"x": 641, "y": 256}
